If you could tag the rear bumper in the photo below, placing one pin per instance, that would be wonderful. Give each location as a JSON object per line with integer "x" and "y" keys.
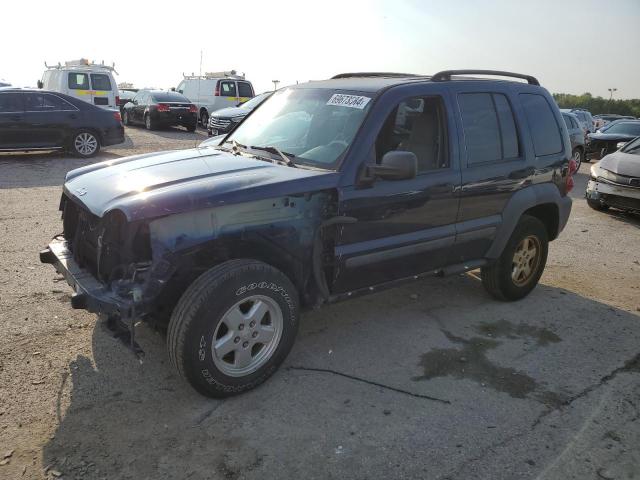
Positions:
{"x": 564, "y": 210}
{"x": 172, "y": 118}
{"x": 90, "y": 294}
{"x": 113, "y": 136}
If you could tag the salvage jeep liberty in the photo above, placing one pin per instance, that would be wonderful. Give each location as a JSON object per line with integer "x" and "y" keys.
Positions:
{"x": 327, "y": 190}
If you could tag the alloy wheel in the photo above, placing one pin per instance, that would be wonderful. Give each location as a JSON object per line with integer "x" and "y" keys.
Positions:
{"x": 85, "y": 143}
{"x": 526, "y": 260}
{"x": 247, "y": 336}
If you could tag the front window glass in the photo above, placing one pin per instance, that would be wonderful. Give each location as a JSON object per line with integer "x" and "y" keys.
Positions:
{"x": 625, "y": 128}
{"x": 315, "y": 125}
{"x": 632, "y": 147}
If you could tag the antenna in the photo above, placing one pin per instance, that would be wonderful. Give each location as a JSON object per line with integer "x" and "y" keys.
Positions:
{"x": 195, "y": 141}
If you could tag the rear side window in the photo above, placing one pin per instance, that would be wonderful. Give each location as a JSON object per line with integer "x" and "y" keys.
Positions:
{"x": 244, "y": 89}
{"x": 79, "y": 81}
{"x": 489, "y": 128}
{"x": 228, "y": 89}
{"x": 10, "y": 102}
{"x": 542, "y": 123}
{"x": 100, "y": 81}
{"x": 43, "y": 102}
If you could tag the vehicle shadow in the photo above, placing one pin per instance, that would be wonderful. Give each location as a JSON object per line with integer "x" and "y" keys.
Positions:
{"x": 174, "y": 133}
{"x": 42, "y": 169}
{"x": 413, "y": 369}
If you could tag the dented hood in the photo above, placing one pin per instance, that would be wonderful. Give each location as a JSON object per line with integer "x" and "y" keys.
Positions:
{"x": 163, "y": 183}
{"x": 627, "y": 164}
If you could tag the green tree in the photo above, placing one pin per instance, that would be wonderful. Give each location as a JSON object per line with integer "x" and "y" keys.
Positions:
{"x": 598, "y": 105}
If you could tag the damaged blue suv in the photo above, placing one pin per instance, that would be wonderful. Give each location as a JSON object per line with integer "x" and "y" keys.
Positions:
{"x": 328, "y": 190}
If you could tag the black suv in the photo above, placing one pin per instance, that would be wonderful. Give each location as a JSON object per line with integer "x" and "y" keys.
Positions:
{"x": 328, "y": 190}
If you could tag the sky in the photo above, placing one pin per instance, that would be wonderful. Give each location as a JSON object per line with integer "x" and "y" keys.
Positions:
{"x": 570, "y": 46}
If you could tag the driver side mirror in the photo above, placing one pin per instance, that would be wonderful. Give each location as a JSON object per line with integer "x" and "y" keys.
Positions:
{"x": 395, "y": 165}
{"x": 180, "y": 91}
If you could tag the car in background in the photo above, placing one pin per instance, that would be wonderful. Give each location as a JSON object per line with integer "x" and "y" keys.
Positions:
{"x": 84, "y": 80}
{"x": 576, "y": 135}
{"x": 584, "y": 118}
{"x": 156, "y": 109}
{"x": 225, "y": 120}
{"x": 215, "y": 91}
{"x": 609, "y": 140}
{"x": 125, "y": 97}
{"x": 33, "y": 120}
{"x": 603, "y": 119}
{"x": 4, "y": 83}
{"x": 615, "y": 180}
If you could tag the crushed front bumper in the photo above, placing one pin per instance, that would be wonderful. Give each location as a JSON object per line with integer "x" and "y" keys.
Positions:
{"x": 90, "y": 294}
{"x": 614, "y": 195}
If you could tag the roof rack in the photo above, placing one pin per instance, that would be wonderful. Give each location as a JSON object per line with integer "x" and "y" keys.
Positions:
{"x": 211, "y": 75}
{"x": 82, "y": 63}
{"x": 374, "y": 74}
{"x": 445, "y": 75}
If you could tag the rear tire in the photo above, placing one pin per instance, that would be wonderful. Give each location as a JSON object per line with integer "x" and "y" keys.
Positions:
{"x": 521, "y": 263}
{"x": 215, "y": 331}
{"x": 577, "y": 156}
{"x": 597, "y": 205}
{"x": 85, "y": 144}
{"x": 191, "y": 128}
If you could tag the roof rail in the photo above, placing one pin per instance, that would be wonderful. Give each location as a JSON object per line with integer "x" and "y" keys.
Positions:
{"x": 374, "y": 74}
{"x": 445, "y": 75}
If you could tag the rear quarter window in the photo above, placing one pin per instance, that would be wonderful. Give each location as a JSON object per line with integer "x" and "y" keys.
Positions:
{"x": 100, "y": 81}
{"x": 244, "y": 89}
{"x": 545, "y": 131}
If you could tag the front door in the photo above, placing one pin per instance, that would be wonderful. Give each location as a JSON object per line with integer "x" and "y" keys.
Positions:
{"x": 47, "y": 119}
{"x": 12, "y": 131}
{"x": 403, "y": 227}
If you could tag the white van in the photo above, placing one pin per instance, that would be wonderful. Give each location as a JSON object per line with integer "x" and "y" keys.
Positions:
{"x": 215, "y": 90}
{"x": 91, "y": 82}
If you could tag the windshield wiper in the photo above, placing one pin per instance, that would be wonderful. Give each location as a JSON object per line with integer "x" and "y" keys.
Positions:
{"x": 286, "y": 157}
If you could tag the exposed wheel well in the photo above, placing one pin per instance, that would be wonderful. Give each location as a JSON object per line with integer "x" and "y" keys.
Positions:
{"x": 549, "y": 215}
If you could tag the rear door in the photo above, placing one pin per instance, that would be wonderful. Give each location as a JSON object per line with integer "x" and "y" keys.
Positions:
{"x": 245, "y": 91}
{"x": 79, "y": 86}
{"x": 493, "y": 164}
{"x": 228, "y": 93}
{"x": 12, "y": 129}
{"x": 102, "y": 90}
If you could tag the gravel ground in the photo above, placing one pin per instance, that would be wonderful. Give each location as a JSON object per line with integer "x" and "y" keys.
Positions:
{"x": 431, "y": 380}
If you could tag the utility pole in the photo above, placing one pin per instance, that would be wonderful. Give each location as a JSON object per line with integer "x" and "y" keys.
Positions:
{"x": 611, "y": 90}
{"x": 275, "y": 84}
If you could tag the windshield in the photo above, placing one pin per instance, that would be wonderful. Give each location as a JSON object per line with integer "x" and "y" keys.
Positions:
{"x": 255, "y": 101}
{"x": 632, "y": 147}
{"x": 625, "y": 128}
{"x": 315, "y": 125}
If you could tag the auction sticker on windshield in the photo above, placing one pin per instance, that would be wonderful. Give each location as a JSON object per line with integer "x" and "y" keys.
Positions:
{"x": 353, "y": 101}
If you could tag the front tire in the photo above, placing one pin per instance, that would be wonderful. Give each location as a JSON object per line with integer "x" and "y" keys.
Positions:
{"x": 597, "y": 205}
{"x": 85, "y": 144}
{"x": 191, "y": 128}
{"x": 522, "y": 262}
{"x": 233, "y": 327}
{"x": 204, "y": 119}
{"x": 125, "y": 119}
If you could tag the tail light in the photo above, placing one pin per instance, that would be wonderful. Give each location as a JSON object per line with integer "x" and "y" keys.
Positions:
{"x": 193, "y": 109}
{"x": 216, "y": 92}
{"x": 117, "y": 116}
{"x": 163, "y": 107}
{"x": 573, "y": 168}
{"x": 117, "y": 101}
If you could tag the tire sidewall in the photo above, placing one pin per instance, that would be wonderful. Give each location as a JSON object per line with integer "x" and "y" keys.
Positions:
{"x": 198, "y": 363}
{"x": 125, "y": 118}
{"x": 527, "y": 226}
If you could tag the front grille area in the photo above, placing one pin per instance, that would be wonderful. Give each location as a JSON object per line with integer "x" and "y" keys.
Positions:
{"x": 624, "y": 203}
{"x": 107, "y": 246}
{"x": 219, "y": 123}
